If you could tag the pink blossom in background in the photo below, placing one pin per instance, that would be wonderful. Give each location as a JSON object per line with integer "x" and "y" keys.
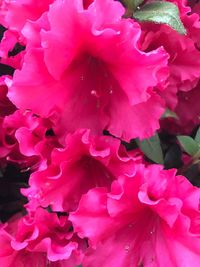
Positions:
{"x": 150, "y": 218}
{"x": 39, "y": 239}
{"x": 183, "y": 7}
{"x": 191, "y": 20}
{"x": 184, "y": 61}
{"x": 181, "y": 88}
{"x": 187, "y": 118}
{"x": 104, "y": 48}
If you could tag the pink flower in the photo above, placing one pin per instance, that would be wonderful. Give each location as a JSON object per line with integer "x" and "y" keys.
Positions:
{"x": 39, "y": 239}
{"x": 85, "y": 162}
{"x": 99, "y": 79}
{"x": 24, "y": 137}
{"x": 184, "y": 61}
{"x": 149, "y": 219}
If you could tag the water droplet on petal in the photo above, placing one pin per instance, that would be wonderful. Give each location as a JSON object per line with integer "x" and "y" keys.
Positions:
{"x": 30, "y": 195}
{"x": 37, "y": 195}
{"x": 127, "y": 248}
{"x": 94, "y": 92}
{"x": 152, "y": 231}
{"x": 110, "y": 91}
{"x": 82, "y": 78}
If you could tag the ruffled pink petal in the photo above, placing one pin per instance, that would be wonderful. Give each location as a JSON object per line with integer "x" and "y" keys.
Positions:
{"x": 14, "y": 14}
{"x": 84, "y": 162}
{"x": 136, "y": 223}
{"x": 42, "y": 238}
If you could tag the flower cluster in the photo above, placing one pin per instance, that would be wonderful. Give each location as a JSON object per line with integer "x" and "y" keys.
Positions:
{"x": 85, "y": 88}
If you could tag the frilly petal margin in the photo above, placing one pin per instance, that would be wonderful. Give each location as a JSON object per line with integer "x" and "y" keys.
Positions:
{"x": 146, "y": 220}
{"x": 85, "y": 162}
{"x": 39, "y": 238}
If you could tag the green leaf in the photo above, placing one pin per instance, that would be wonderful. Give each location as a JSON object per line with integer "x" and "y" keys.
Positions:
{"x": 188, "y": 144}
{"x": 152, "y": 148}
{"x": 162, "y": 13}
{"x": 169, "y": 114}
{"x": 197, "y": 137}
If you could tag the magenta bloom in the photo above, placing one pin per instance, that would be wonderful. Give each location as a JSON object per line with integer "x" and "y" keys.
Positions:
{"x": 39, "y": 239}
{"x": 23, "y": 137}
{"x": 149, "y": 219}
{"x": 85, "y": 162}
{"x": 100, "y": 79}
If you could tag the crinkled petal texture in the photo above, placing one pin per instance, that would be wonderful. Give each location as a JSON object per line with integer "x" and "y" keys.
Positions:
{"x": 99, "y": 67}
{"x": 14, "y": 14}
{"x": 85, "y": 162}
{"x": 39, "y": 239}
{"x": 149, "y": 219}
